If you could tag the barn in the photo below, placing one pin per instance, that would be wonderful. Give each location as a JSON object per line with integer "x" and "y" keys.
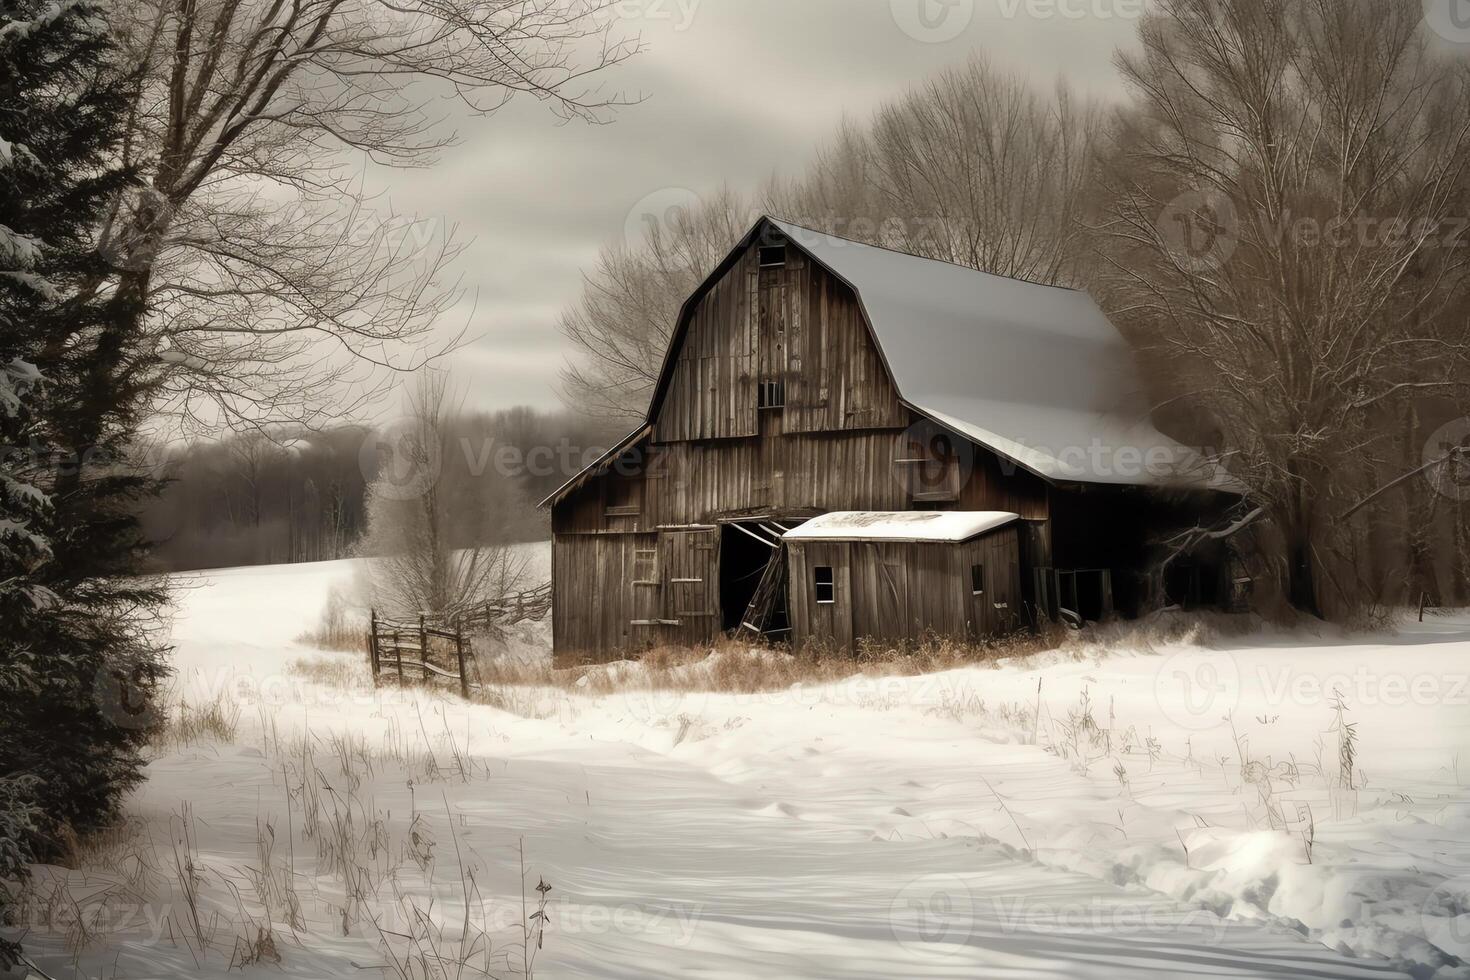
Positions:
{"x": 842, "y": 434}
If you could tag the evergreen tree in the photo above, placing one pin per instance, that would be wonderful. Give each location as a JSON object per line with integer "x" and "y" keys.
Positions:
{"x": 22, "y": 601}
{"x": 78, "y": 659}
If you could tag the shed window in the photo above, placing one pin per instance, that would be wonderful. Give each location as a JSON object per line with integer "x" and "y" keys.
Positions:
{"x": 772, "y": 394}
{"x": 823, "y": 583}
{"x": 977, "y": 579}
{"x": 772, "y": 255}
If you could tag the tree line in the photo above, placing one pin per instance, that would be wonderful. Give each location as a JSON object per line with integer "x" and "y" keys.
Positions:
{"x": 1277, "y": 216}
{"x": 279, "y": 495}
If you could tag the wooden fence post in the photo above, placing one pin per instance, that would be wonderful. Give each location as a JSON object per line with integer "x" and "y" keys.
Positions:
{"x": 373, "y": 643}
{"x": 398, "y": 656}
{"x": 423, "y": 646}
{"x": 464, "y": 680}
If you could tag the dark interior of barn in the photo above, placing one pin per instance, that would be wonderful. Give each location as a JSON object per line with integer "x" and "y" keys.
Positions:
{"x": 743, "y": 560}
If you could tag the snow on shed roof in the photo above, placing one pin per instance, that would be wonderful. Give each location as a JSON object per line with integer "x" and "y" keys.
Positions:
{"x": 1036, "y": 373}
{"x": 912, "y": 525}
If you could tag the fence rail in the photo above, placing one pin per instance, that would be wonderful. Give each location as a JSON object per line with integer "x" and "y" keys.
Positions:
{"x": 400, "y": 647}
{"x": 530, "y": 605}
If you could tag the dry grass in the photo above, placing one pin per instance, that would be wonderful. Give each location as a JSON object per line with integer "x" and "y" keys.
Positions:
{"x": 217, "y": 720}
{"x": 740, "y": 667}
{"x": 123, "y": 873}
{"x": 536, "y": 689}
{"x": 339, "y": 673}
{"x": 326, "y": 858}
{"x": 340, "y": 628}
{"x": 1166, "y": 628}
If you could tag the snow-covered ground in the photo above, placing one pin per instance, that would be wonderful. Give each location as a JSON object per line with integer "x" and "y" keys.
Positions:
{"x": 1171, "y": 811}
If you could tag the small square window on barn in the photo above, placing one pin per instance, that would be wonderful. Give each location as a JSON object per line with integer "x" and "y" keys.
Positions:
{"x": 772, "y": 394}
{"x": 823, "y": 583}
{"x": 977, "y": 579}
{"x": 772, "y": 256}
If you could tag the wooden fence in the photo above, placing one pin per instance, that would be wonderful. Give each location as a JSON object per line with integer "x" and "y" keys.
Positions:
{"x": 522, "y": 606}
{"x": 407, "y": 648}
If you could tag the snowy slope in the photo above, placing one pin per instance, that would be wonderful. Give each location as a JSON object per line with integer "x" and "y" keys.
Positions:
{"x": 880, "y": 827}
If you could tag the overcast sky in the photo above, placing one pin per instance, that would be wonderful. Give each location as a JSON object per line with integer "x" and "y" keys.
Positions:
{"x": 735, "y": 90}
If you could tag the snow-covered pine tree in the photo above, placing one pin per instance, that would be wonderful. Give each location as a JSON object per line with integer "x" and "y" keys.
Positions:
{"x": 77, "y": 657}
{"x": 22, "y": 601}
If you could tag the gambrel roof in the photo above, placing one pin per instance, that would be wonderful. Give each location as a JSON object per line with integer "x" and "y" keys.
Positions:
{"x": 1035, "y": 373}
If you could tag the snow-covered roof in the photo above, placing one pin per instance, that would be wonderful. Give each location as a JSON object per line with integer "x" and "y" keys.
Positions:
{"x": 1036, "y": 373}
{"x": 910, "y": 525}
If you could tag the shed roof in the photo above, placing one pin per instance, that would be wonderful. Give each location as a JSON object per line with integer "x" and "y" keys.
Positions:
{"x": 943, "y": 526}
{"x": 1036, "y": 373}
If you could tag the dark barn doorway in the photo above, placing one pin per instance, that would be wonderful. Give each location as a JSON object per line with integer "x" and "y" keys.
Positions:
{"x": 753, "y": 579}
{"x": 1193, "y": 583}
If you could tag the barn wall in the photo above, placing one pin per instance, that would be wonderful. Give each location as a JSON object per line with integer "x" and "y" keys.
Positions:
{"x": 692, "y": 483}
{"x": 615, "y": 593}
{"x": 796, "y": 324}
{"x": 780, "y": 475}
{"x": 689, "y": 586}
{"x": 894, "y": 591}
{"x": 999, "y": 609}
{"x": 594, "y": 604}
{"x": 785, "y": 474}
{"x": 995, "y": 484}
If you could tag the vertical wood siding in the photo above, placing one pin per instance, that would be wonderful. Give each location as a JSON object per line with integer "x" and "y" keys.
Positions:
{"x": 796, "y": 324}
{"x": 894, "y": 591}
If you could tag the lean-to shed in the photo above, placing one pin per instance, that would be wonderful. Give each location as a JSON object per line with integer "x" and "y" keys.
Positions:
{"x": 904, "y": 575}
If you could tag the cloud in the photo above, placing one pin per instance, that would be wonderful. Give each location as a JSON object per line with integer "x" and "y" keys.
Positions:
{"x": 746, "y": 88}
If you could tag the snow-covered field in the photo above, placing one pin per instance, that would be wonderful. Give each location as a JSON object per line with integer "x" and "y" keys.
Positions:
{"x": 1173, "y": 811}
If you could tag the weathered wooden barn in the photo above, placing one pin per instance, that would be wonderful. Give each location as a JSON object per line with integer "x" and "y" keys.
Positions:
{"x": 809, "y": 375}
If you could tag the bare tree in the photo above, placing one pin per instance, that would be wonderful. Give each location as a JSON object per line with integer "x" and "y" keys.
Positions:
{"x": 419, "y": 559}
{"x": 265, "y": 285}
{"x": 621, "y": 326}
{"x": 838, "y": 192}
{"x": 973, "y": 167}
{"x": 1285, "y": 225}
{"x": 251, "y": 452}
